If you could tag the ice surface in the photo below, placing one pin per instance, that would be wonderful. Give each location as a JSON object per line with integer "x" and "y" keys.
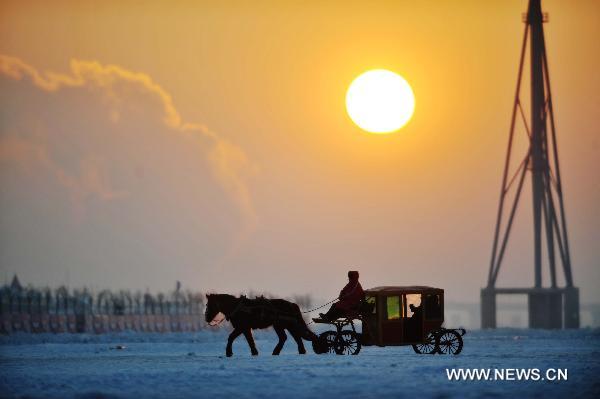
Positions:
{"x": 194, "y": 365}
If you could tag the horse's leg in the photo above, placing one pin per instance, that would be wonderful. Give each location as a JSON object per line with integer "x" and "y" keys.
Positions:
{"x": 305, "y": 333}
{"x": 250, "y": 339}
{"x": 234, "y": 334}
{"x": 296, "y": 334}
{"x": 282, "y": 337}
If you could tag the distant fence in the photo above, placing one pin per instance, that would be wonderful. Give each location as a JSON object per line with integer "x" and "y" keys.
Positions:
{"x": 80, "y": 311}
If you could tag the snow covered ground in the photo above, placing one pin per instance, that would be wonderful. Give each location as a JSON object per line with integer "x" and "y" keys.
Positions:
{"x": 194, "y": 365}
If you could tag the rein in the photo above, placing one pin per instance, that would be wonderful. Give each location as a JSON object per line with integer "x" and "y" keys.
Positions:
{"x": 241, "y": 306}
{"x": 333, "y": 300}
{"x": 322, "y": 306}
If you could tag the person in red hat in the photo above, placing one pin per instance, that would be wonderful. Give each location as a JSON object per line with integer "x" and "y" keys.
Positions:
{"x": 349, "y": 299}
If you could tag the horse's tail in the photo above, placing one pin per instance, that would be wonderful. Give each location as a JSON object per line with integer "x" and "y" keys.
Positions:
{"x": 304, "y": 331}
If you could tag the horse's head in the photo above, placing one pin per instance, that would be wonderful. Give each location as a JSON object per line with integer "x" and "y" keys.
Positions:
{"x": 212, "y": 307}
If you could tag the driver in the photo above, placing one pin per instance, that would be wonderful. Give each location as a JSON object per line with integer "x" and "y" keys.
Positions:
{"x": 349, "y": 299}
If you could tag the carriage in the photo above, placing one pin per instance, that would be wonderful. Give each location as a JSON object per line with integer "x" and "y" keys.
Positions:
{"x": 393, "y": 316}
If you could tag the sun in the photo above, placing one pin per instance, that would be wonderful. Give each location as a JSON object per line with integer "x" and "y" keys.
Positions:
{"x": 380, "y": 101}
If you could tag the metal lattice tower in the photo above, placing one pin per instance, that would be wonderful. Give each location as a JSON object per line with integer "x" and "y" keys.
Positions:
{"x": 549, "y": 307}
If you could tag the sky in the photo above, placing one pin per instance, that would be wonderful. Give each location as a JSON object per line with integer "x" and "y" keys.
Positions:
{"x": 144, "y": 143}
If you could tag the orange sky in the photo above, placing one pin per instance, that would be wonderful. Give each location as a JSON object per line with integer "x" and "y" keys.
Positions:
{"x": 276, "y": 189}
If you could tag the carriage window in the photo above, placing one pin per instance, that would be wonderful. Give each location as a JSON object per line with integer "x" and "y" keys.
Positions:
{"x": 415, "y": 301}
{"x": 393, "y": 307}
{"x": 433, "y": 307}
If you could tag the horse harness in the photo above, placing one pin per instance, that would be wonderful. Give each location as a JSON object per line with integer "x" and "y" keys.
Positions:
{"x": 267, "y": 312}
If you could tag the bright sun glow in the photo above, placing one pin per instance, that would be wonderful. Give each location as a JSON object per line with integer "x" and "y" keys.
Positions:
{"x": 380, "y": 101}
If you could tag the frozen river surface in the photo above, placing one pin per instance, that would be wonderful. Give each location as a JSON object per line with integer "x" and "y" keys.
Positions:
{"x": 194, "y": 365}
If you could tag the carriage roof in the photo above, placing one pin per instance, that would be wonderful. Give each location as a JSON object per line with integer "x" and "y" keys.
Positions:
{"x": 411, "y": 289}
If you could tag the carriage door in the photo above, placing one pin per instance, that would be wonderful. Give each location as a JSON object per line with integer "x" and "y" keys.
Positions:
{"x": 391, "y": 323}
{"x": 370, "y": 332}
{"x": 413, "y": 321}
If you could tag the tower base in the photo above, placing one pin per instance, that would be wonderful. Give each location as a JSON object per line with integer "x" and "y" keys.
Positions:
{"x": 571, "y": 307}
{"x": 545, "y": 309}
{"x": 549, "y": 308}
{"x": 488, "y": 308}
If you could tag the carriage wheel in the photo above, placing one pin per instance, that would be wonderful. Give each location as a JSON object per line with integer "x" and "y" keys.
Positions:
{"x": 347, "y": 343}
{"x": 428, "y": 347}
{"x": 449, "y": 342}
{"x": 325, "y": 343}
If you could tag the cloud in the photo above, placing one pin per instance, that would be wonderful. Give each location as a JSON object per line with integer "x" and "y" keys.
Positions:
{"x": 118, "y": 87}
{"x": 100, "y": 174}
{"x": 29, "y": 156}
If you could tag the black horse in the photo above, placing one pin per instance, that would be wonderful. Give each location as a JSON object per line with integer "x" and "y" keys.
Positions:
{"x": 247, "y": 314}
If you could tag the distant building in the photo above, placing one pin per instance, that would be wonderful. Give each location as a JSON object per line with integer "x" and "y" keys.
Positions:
{"x": 15, "y": 285}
